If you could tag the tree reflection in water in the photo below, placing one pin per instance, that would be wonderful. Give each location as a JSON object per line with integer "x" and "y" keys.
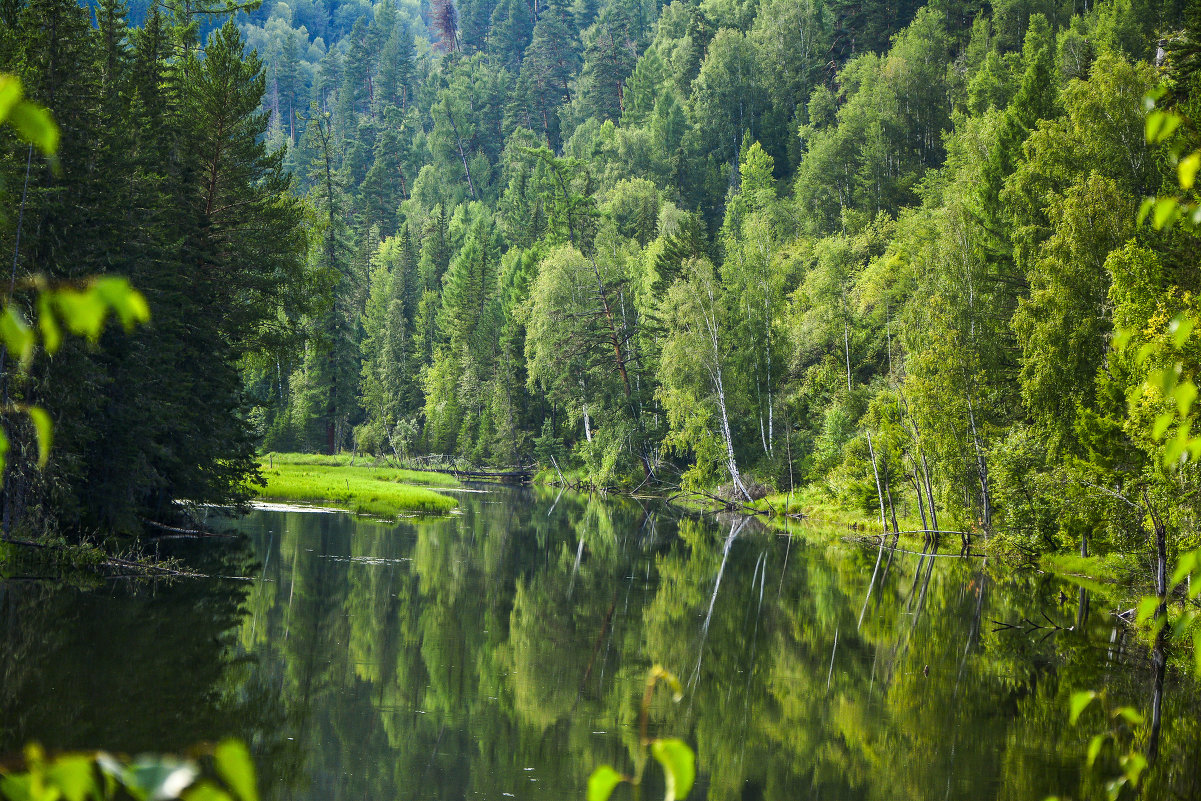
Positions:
{"x": 503, "y": 650}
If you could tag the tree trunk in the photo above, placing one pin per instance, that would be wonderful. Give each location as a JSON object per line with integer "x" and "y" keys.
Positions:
{"x": 731, "y": 463}
{"x": 462, "y": 156}
{"x": 892, "y": 509}
{"x": 607, "y": 308}
{"x": 767, "y": 353}
{"x": 846, "y": 343}
{"x": 876, "y": 472}
{"x": 930, "y": 497}
{"x": 921, "y": 507}
{"x": 981, "y": 470}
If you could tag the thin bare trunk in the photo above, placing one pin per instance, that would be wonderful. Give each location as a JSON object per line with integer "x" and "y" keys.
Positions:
{"x": 771, "y": 409}
{"x": 921, "y": 507}
{"x": 879, "y": 488}
{"x": 731, "y": 463}
{"x": 892, "y": 509}
{"x": 981, "y": 469}
{"x": 715, "y": 374}
{"x": 462, "y": 155}
{"x": 930, "y": 494}
{"x": 846, "y": 343}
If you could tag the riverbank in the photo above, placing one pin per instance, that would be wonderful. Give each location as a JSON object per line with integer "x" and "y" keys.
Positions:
{"x": 359, "y": 488}
{"x": 1119, "y": 579}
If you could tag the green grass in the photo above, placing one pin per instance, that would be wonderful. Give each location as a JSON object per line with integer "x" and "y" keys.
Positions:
{"x": 378, "y": 491}
{"x": 363, "y": 466}
{"x": 1107, "y": 569}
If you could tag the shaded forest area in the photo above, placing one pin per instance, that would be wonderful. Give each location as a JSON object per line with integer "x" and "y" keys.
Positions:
{"x": 878, "y": 249}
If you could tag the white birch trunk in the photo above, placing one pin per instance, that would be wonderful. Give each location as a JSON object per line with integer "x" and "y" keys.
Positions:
{"x": 710, "y": 316}
{"x": 879, "y": 489}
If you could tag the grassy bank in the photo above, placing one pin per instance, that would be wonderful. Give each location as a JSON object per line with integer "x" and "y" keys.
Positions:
{"x": 379, "y": 491}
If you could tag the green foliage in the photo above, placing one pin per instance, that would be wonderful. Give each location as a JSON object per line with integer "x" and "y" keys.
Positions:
{"x": 1163, "y": 373}
{"x": 31, "y": 122}
{"x": 81, "y": 309}
{"x": 223, "y": 773}
{"x": 879, "y": 249}
{"x": 676, "y": 758}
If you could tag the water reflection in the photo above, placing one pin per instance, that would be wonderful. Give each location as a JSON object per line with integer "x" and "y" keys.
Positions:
{"x": 500, "y": 652}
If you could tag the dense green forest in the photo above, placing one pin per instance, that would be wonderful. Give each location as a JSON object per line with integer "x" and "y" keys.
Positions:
{"x": 880, "y": 249}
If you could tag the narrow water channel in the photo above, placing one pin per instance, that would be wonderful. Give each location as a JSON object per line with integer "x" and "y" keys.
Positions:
{"x": 499, "y": 653}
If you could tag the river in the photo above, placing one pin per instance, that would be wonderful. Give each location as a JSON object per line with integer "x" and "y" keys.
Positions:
{"x": 499, "y": 653}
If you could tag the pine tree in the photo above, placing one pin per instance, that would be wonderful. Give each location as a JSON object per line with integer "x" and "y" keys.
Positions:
{"x": 549, "y": 64}
{"x": 510, "y": 33}
{"x": 358, "y": 72}
{"x": 395, "y": 82}
{"x": 610, "y": 54}
{"x": 643, "y": 88}
{"x": 382, "y": 185}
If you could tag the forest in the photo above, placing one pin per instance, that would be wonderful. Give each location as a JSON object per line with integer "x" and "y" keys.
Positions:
{"x": 892, "y": 253}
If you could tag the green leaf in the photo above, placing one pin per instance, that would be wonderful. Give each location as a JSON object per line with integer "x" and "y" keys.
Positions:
{"x": 127, "y": 302}
{"x": 16, "y": 334}
{"x": 1094, "y": 747}
{"x": 1186, "y": 170}
{"x": 1079, "y": 702}
{"x": 602, "y": 783}
{"x": 1194, "y": 448}
{"x": 1114, "y": 788}
{"x": 35, "y": 125}
{"x": 1146, "y": 608}
{"x": 1161, "y": 425}
{"x": 3, "y": 452}
{"x": 1160, "y": 126}
{"x": 82, "y": 312}
{"x": 206, "y": 791}
{"x": 1151, "y": 97}
{"x": 16, "y": 787}
{"x": 679, "y": 766}
{"x": 1152, "y": 126}
{"x": 1182, "y": 623}
{"x": 1167, "y": 380}
{"x": 1180, "y": 327}
{"x": 73, "y": 775}
{"x": 234, "y": 764}
{"x": 1166, "y": 212}
{"x": 1130, "y": 715}
{"x": 52, "y": 335}
{"x": 10, "y": 94}
{"x": 45, "y": 432}
{"x": 1197, "y": 652}
{"x": 1185, "y": 565}
{"x": 159, "y": 777}
{"x": 1133, "y": 766}
{"x": 1186, "y": 393}
{"x": 1145, "y": 208}
{"x": 1175, "y": 447}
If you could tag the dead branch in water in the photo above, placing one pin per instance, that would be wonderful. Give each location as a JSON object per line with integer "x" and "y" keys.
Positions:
{"x": 138, "y": 568}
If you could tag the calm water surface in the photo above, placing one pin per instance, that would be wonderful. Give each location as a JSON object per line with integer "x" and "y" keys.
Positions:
{"x": 499, "y": 653}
